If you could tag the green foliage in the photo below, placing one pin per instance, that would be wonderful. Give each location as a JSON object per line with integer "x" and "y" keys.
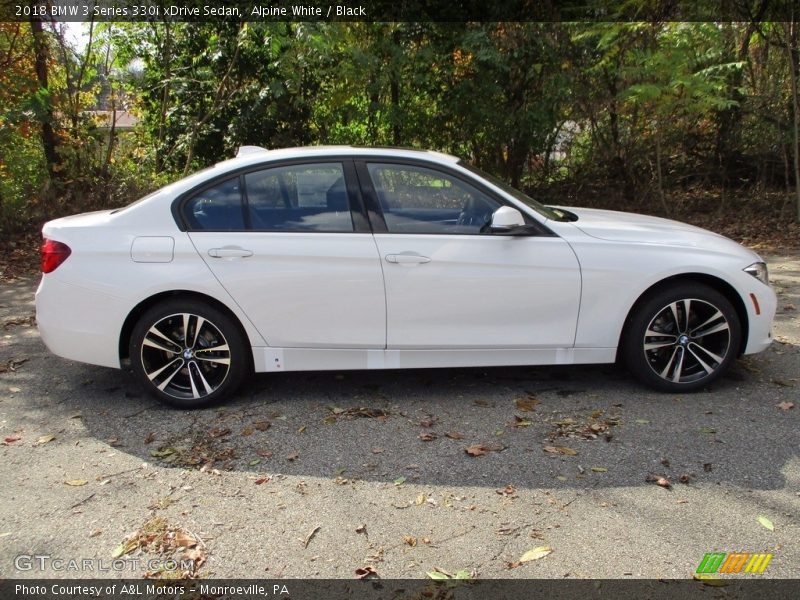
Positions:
{"x": 640, "y": 107}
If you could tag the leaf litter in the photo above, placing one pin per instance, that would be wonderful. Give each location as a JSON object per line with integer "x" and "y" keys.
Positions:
{"x": 168, "y": 541}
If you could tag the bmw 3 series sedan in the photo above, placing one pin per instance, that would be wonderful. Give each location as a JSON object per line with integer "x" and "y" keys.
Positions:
{"x": 333, "y": 258}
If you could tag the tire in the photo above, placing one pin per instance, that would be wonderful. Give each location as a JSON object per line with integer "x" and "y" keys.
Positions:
{"x": 199, "y": 373}
{"x": 671, "y": 353}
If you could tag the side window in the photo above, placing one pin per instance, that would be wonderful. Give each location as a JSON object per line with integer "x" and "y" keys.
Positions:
{"x": 309, "y": 197}
{"x": 420, "y": 200}
{"x": 218, "y": 208}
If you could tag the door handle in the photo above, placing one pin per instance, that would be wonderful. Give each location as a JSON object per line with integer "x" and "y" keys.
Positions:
{"x": 407, "y": 258}
{"x": 229, "y": 252}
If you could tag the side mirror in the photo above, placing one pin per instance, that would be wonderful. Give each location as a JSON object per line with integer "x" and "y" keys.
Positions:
{"x": 505, "y": 218}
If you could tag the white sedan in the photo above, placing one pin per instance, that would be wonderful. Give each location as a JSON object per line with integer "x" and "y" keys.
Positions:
{"x": 351, "y": 258}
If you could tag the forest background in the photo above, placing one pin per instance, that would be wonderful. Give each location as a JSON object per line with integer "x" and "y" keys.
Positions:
{"x": 691, "y": 120}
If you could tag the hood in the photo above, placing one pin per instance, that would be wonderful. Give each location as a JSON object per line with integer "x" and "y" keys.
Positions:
{"x": 628, "y": 227}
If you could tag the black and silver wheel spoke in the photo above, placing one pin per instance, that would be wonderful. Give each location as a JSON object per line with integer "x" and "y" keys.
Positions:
{"x": 687, "y": 340}
{"x": 221, "y": 354}
{"x": 156, "y": 339}
{"x": 195, "y": 375}
{"x": 175, "y": 366}
{"x": 185, "y": 356}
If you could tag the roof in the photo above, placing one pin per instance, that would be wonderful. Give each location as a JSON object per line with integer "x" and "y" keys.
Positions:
{"x": 248, "y": 154}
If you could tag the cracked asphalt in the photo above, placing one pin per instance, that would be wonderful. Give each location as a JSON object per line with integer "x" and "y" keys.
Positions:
{"x": 319, "y": 474}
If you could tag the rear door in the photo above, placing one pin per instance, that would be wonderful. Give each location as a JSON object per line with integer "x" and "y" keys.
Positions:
{"x": 291, "y": 245}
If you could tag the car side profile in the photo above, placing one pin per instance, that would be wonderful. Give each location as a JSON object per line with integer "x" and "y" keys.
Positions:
{"x": 333, "y": 258}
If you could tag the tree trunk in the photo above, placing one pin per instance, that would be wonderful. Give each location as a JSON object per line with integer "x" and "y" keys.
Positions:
{"x": 166, "y": 57}
{"x": 48, "y": 134}
{"x": 790, "y": 31}
{"x": 394, "y": 90}
{"x": 659, "y": 176}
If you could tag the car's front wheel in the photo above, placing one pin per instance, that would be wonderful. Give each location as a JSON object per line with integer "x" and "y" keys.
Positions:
{"x": 682, "y": 338}
{"x": 188, "y": 354}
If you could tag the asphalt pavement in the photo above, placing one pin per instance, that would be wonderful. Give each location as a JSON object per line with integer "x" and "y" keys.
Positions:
{"x": 400, "y": 473}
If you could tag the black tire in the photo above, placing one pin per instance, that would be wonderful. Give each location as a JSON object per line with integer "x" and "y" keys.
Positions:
{"x": 671, "y": 353}
{"x": 188, "y": 374}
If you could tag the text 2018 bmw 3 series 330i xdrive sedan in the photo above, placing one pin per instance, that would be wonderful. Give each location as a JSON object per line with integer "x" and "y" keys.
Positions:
{"x": 353, "y": 258}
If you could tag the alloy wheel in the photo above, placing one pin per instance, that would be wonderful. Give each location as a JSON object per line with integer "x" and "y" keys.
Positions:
{"x": 185, "y": 356}
{"x": 687, "y": 341}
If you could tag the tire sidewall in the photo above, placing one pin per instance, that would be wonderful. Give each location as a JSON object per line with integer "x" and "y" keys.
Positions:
{"x": 644, "y": 312}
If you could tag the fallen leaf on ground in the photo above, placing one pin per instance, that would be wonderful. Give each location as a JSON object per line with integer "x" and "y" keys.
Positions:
{"x": 710, "y": 580}
{"x": 599, "y": 469}
{"x": 410, "y": 540}
{"x": 310, "y": 535}
{"x": 254, "y": 462}
{"x": 526, "y": 404}
{"x": 44, "y": 440}
{"x": 429, "y": 421}
{"x": 262, "y": 425}
{"x": 785, "y": 405}
{"x": 509, "y": 490}
{"x": 293, "y": 456}
{"x": 366, "y": 572}
{"x": 659, "y": 480}
{"x": 454, "y": 435}
{"x": 76, "y": 482}
{"x": 477, "y": 450}
{"x": 399, "y": 481}
{"x": 360, "y": 411}
{"x": 161, "y": 453}
{"x": 427, "y": 436}
{"x": 438, "y": 573}
{"x": 263, "y": 479}
{"x": 560, "y": 450}
{"x": 766, "y": 523}
{"x": 535, "y": 554}
{"x": 521, "y": 422}
{"x": 302, "y": 429}
{"x": 125, "y": 547}
{"x": 149, "y": 438}
{"x": 249, "y": 430}
{"x": 362, "y": 529}
{"x": 12, "y": 438}
{"x": 185, "y": 540}
{"x": 264, "y": 453}
{"x": 685, "y": 478}
{"x": 14, "y": 390}
{"x": 377, "y": 450}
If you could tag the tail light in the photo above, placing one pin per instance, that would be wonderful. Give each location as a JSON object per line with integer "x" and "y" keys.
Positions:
{"x": 53, "y": 254}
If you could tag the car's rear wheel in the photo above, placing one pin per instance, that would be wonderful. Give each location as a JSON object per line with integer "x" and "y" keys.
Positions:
{"x": 188, "y": 354}
{"x": 682, "y": 338}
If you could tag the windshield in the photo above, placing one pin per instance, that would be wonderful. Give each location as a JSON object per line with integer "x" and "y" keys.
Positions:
{"x": 546, "y": 211}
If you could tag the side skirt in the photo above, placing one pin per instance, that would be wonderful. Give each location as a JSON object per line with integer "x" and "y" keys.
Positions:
{"x": 268, "y": 359}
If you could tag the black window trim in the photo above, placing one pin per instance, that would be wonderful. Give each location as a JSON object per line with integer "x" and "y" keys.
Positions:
{"x": 361, "y": 223}
{"x": 375, "y": 210}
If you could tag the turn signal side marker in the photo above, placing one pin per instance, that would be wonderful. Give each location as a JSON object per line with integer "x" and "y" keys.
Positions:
{"x": 755, "y": 303}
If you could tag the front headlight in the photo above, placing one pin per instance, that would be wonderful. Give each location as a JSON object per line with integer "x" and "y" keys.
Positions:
{"x": 759, "y": 271}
